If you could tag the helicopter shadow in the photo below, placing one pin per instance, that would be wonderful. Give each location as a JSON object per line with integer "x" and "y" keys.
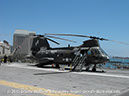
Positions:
{"x": 45, "y": 66}
{"x": 95, "y": 71}
{"x": 48, "y": 73}
{"x": 51, "y": 73}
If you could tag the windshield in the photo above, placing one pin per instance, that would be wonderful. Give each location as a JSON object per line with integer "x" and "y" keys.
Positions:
{"x": 95, "y": 51}
{"x": 103, "y": 52}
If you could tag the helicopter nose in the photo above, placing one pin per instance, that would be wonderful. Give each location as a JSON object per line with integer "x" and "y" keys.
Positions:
{"x": 107, "y": 59}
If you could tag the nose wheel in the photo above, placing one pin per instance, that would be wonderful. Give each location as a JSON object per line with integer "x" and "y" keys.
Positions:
{"x": 94, "y": 68}
{"x": 87, "y": 67}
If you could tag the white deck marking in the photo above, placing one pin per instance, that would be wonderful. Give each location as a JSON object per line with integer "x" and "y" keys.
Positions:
{"x": 56, "y": 70}
{"x": 35, "y": 68}
{"x": 104, "y": 74}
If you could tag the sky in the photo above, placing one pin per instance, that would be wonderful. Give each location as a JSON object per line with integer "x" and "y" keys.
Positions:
{"x": 103, "y": 18}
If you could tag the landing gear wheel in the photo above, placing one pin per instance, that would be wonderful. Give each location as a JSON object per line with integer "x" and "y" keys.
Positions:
{"x": 39, "y": 65}
{"x": 94, "y": 68}
{"x": 57, "y": 66}
{"x": 103, "y": 71}
{"x": 87, "y": 69}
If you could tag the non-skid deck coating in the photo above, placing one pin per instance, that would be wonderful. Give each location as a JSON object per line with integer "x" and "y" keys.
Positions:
{"x": 53, "y": 82}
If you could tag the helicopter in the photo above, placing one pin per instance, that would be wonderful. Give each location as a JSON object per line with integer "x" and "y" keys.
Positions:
{"x": 85, "y": 54}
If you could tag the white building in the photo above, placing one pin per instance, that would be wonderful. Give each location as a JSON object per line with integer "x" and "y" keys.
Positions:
{"x": 4, "y": 48}
{"x": 24, "y": 39}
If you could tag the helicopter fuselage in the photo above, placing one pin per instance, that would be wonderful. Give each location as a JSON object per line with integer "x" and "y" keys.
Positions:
{"x": 65, "y": 55}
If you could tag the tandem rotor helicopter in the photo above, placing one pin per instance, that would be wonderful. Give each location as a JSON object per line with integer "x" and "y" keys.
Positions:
{"x": 84, "y": 55}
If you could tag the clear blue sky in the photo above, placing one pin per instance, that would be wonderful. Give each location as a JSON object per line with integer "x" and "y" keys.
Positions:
{"x": 104, "y": 18}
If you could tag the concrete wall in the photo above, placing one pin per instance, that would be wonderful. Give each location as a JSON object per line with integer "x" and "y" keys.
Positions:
{"x": 23, "y": 39}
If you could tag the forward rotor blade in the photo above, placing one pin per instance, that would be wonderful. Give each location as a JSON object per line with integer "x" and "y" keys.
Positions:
{"x": 69, "y": 35}
{"x": 92, "y": 37}
{"x": 53, "y": 41}
{"x": 118, "y": 42}
{"x": 3, "y": 34}
{"x": 61, "y": 39}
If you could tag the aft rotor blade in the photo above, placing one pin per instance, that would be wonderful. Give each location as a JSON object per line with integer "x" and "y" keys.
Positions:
{"x": 61, "y": 39}
{"x": 53, "y": 41}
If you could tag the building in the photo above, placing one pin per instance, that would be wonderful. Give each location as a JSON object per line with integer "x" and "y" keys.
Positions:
{"x": 24, "y": 39}
{"x": 4, "y": 48}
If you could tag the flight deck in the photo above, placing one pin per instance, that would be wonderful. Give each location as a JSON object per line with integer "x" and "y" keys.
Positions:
{"x": 25, "y": 79}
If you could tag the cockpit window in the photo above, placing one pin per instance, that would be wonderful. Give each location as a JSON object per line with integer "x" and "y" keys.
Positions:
{"x": 95, "y": 51}
{"x": 103, "y": 51}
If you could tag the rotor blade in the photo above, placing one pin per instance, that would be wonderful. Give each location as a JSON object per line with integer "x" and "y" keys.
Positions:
{"x": 69, "y": 35}
{"x": 3, "y": 34}
{"x": 61, "y": 39}
{"x": 118, "y": 42}
{"x": 92, "y": 37}
{"x": 53, "y": 41}
{"x": 40, "y": 35}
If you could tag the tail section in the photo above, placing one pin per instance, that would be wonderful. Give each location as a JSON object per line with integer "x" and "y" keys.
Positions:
{"x": 39, "y": 42}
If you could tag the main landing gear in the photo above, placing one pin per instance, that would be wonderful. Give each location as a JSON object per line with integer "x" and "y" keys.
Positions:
{"x": 57, "y": 66}
{"x": 94, "y": 68}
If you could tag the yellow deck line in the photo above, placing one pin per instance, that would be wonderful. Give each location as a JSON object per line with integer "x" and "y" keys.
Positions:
{"x": 33, "y": 89}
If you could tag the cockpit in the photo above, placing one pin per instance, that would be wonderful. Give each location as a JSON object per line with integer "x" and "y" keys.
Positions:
{"x": 97, "y": 54}
{"x": 96, "y": 51}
